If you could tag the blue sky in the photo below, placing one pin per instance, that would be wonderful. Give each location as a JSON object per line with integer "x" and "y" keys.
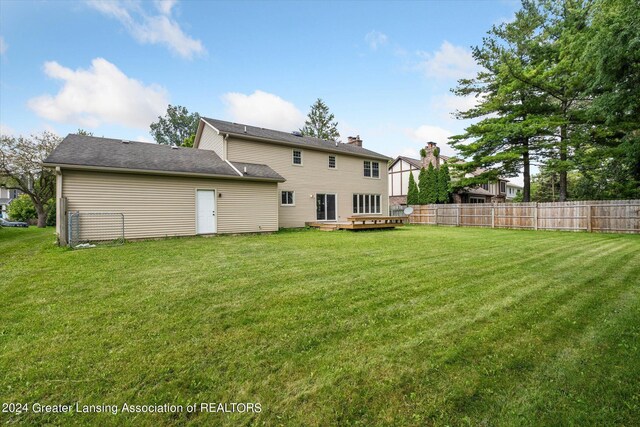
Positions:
{"x": 384, "y": 68}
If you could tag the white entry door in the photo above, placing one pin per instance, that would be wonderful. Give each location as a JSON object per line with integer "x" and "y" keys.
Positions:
{"x": 206, "y": 211}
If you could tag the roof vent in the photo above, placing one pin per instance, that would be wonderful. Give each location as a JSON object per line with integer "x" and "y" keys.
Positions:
{"x": 174, "y": 146}
{"x": 245, "y": 129}
{"x": 296, "y": 133}
{"x": 245, "y": 170}
{"x": 124, "y": 141}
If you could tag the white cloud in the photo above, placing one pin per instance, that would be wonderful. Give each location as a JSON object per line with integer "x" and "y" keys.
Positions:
{"x": 409, "y": 152}
{"x": 101, "y": 94}
{"x": 449, "y": 62}
{"x": 264, "y": 110}
{"x": 165, "y": 6}
{"x": 151, "y": 29}
{"x": 426, "y": 133}
{"x": 3, "y": 46}
{"x": 376, "y": 39}
{"x": 444, "y": 106}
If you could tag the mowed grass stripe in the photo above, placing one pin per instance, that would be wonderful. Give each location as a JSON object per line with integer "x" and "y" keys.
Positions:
{"x": 417, "y": 326}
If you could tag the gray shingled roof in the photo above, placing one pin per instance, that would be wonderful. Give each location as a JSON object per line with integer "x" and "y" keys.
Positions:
{"x": 238, "y": 130}
{"x": 87, "y": 151}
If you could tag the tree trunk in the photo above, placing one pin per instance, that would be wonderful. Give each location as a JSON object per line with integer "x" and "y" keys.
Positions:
{"x": 526, "y": 171}
{"x": 562, "y": 190}
{"x": 42, "y": 215}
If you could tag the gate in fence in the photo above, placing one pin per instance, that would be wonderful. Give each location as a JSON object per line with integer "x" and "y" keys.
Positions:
{"x": 87, "y": 228}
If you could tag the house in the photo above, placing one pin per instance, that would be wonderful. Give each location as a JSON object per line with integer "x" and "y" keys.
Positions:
{"x": 236, "y": 179}
{"x": 513, "y": 190}
{"x": 6, "y": 196}
{"x": 402, "y": 166}
{"x": 489, "y": 192}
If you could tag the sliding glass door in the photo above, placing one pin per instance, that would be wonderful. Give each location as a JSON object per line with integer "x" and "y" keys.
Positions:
{"x": 326, "y": 207}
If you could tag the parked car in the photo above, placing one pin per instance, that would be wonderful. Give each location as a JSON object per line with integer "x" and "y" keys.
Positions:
{"x": 7, "y": 223}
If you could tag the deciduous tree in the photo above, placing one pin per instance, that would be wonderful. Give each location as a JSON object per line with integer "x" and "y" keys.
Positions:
{"x": 178, "y": 127}
{"x": 21, "y": 168}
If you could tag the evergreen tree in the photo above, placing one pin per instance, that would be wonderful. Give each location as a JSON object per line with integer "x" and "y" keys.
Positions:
{"x": 557, "y": 75}
{"x": 444, "y": 181}
{"x": 511, "y": 132}
{"x": 413, "y": 195}
{"x": 431, "y": 185}
{"x": 320, "y": 124}
{"x": 422, "y": 185}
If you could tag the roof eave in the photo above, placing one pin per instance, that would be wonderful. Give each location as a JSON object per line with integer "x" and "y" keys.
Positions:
{"x": 159, "y": 172}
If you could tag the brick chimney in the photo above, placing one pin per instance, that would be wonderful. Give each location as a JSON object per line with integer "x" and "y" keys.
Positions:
{"x": 354, "y": 140}
{"x": 430, "y": 156}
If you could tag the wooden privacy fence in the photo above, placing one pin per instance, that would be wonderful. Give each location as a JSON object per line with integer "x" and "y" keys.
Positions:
{"x": 615, "y": 216}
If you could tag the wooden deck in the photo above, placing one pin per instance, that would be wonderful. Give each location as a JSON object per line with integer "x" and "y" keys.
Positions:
{"x": 362, "y": 222}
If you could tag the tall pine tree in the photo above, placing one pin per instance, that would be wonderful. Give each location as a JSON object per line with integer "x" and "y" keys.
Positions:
{"x": 512, "y": 130}
{"x": 320, "y": 123}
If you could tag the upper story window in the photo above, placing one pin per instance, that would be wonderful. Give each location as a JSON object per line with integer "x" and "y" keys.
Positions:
{"x": 371, "y": 169}
{"x": 485, "y": 186}
{"x": 297, "y": 157}
{"x": 503, "y": 187}
{"x": 332, "y": 162}
{"x": 287, "y": 198}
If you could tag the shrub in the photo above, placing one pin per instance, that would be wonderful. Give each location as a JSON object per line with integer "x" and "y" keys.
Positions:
{"x": 51, "y": 212}
{"x": 21, "y": 209}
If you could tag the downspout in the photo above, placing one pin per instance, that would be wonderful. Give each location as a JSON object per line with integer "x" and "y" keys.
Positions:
{"x": 60, "y": 210}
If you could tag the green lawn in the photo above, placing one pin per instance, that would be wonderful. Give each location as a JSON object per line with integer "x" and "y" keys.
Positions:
{"x": 417, "y": 326}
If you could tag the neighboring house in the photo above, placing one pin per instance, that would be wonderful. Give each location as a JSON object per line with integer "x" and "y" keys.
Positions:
{"x": 489, "y": 192}
{"x": 6, "y": 196}
{"x": 402, "y": 166}
{"x": 236, "y": 179}
{"x": 513, "y": 190}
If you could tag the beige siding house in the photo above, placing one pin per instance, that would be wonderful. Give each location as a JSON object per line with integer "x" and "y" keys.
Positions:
{"x": 236, "y": 179}
{"x": 321, "y": 182}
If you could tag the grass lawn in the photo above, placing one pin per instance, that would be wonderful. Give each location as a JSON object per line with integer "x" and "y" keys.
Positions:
{"x": 416, "y": 326}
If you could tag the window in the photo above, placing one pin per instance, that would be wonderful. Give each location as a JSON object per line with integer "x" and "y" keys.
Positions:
{"x": 297, "y": 157}
{"x": 485, "y": 187}
{"x": 503, "y": 187}
{"x": 371, "y": 169}
{"x": 476, "y": 199}
{"x": 332, "y": 162}
{"x": 287, "y": 198}
{"x": 366, "y": 204}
